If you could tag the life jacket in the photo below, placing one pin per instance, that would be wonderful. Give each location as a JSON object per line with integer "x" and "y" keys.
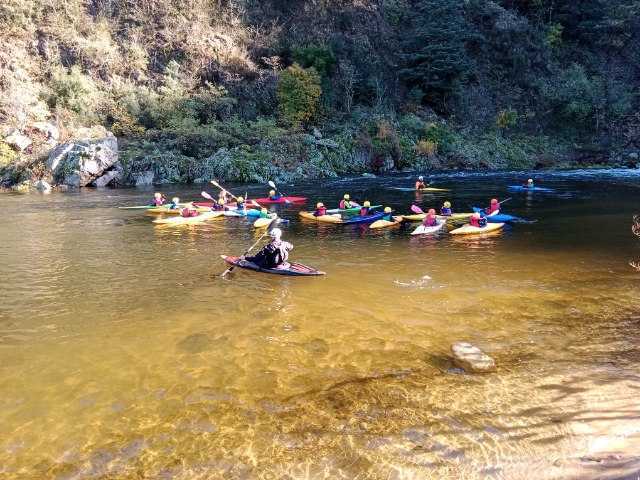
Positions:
{"x": 474, "y": 222}
{"x": 430, "y": 221}
{"x": 240, "y": 206}
{"x": 173, "y": 206}
{"x": 445, "y": 211}
{"x": 188, "y": 212}
{"x": 158, "y": 202}
{"x": 364, "y": 211}
{"x": 320, "y": 212}
{"x": 273, "y": 254}
{"x": 420, "y": 184}
{"x": 493, "y": 208}
{"x": 344, "y": 204}
{"x": 277, "y": 196}
{"x": 388, "y": 217}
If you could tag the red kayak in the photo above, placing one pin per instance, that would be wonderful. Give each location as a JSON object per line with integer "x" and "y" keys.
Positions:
{"x": 249, "y": 203}
{"x": 281, "y": 200}
{"x": 294, "y": 269}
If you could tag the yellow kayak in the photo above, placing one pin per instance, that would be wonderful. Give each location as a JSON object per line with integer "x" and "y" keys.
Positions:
{"x": 335, "y": 218}
{"x": 471, "y": 230}
{"x": 202, "y": 217}
{"x": 164, "y": 210}
{"x": 434, "y": 189}
{"x": 385, "y": 223}
{"x": 263, "y": 222}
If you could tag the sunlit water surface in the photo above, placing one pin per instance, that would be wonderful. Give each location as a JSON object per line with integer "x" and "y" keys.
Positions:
{"x": 124, "y": 355}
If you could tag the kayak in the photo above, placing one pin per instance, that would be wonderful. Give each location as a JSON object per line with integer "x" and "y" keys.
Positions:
{"x": 231, "y": 206}
{"x": 497, "y": 217}
{"x": 366, "y": 219}
{"x": 521, "y": 188}
{"x": 203, "y": 217}
{"x": 149, "y": 207}
{"x": 175, "y": 211}
{"x": 263, "y": 222}
{"x": 385, "y": 223}
{"x": 351, "y": 210}
{"x": 286, "y": 200}
{"x": 334, "y": 218}
{"x": 471, "y": 230}
{"x": 426, "y": 189}
{"x": 423, "y": 230}
{"x": 294, "y": 269}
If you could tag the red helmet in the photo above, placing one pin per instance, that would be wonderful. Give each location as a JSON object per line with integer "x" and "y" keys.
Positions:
{"x": 494, "y": 200}
{"x": 431, "y": 211}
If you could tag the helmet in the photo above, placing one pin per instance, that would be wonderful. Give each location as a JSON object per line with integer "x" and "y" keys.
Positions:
{"x": 447, "y": 204}
{"x": 175, "y": 200}
{"x": 272, "y": 193}
{"x": 431, "y": 211}
{"x": 157, "y": 195}
{"x": 346, "y": 196}
{"x": 319, "y": 205}
{"x": 530, "y": 180}
{"x": 263, "y": 210}
{"x": 367, "y": 204}
{"x": 476, "y": 215}
{"x": 275, "y": 233}
{"x": 420, "y": 178}
{"x": 240, "y": 199}
{"x": 387, "y": 210}
{"x": 494, "y": 200}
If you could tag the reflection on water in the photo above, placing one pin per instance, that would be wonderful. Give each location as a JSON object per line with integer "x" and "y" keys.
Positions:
{"x": 123, "y": 355}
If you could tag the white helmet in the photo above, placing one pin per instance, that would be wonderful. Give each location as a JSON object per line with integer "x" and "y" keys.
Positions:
{"x": 276, "y": 233}
{"x": 420, "y": 178}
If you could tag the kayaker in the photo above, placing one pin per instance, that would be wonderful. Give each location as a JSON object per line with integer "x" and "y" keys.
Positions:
{"x": 273, "y": 195}
{"x": 430, "y": 220}
{"x": 240, "y": 203}
{"x": 174, "y": 203}
{"x": 264, "y": 213}
{"x": 364, "y": 210}
{"x": 493, "y": 207}
{"x": 274, "y": 254}
{"x": 477, "y": 220}
{"x": 347, "y": 203}
{"x": 529, "y": 184}
{"x": 446, "y": 209}
{"x": 320, "y": 210}
{"x": 158, "y": 199}
{"x": 420, "y": 183}
{"x": 217, "y": 206}
{"x": 222, "y": 198}
{"x": 388, "y": 214}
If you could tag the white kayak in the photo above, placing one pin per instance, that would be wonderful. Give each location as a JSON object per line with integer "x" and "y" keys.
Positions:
{"x": 423, "y": 230}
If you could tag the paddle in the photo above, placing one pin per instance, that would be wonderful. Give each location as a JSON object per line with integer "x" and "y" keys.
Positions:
{"x": 273, "y": 185}
{"x": 267, "y": 231}
{"x": 216, "y": 184}
{"x": 416, "y": 209}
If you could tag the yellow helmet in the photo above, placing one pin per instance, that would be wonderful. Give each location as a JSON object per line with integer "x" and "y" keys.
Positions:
{"x": 175, "y": 200}
{"x": 272, "y": 193}
{"x": 367, "y": 204}
{"x": 530, "y": 180}
{"x": 157, "y": 195}
{"x": 387, "y": 210}
{"x": 447, "y": 204}
{"x": 346, "y": 196}
{"x": 240, "y": 199}
{"x": 319, "y": 205}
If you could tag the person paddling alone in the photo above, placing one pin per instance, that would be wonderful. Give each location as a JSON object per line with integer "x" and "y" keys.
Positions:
{"x": 446, "y": 209}
{"x": 365, "y": 209}
{"x": 275, "y": 196}
{"x": 493, "y": 207}
{"x": 388, "y": 214}
{"x": 347, "y": 203}
{"x": 430, "y": 220}
{"x": 420, "y": 183}
{"x": 529, "y": 184}
{"x": 320, "y": 210}
{"x": 274, "y": 254}
{"x": 158, "y": 199}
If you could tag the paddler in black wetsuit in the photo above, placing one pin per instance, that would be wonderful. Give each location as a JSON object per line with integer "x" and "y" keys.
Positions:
{"x": 274, "y": 254}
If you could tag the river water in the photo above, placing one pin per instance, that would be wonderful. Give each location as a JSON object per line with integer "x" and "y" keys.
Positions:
{"x": 124, "y": 355}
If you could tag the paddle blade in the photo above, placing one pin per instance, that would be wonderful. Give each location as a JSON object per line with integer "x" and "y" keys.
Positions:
{"x": 206, "y": 195}
{"x": 271, "y": 184}
{"x": 416, "y": 209}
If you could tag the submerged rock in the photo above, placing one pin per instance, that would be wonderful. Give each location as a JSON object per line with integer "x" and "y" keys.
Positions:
{"x": 471, "y": 358}
{"x": 43, "y": 186}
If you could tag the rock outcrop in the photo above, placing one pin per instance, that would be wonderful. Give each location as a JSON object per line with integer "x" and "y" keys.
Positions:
{"x": 80, "y": 163}
{"x": 18, "y": 141}
{"x": 471, "y": 359}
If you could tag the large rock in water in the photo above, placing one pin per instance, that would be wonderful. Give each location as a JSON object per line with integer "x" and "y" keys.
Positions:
{"x": 79, "y": 163}
{"x": 471, "y": 359}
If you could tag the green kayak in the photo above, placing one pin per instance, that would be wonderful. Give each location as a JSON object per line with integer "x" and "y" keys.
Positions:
{"x": 350, "y": 210}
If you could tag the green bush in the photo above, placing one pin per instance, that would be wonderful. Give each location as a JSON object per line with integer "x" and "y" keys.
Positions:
{"x": 73, "y": 90}
{"x": 441, "y": 135}
{"x": 319, "y": 57}
{"x": 298, "y": 95}
{"x": 7, "y": 155}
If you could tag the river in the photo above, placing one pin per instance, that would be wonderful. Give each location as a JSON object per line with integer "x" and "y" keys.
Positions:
{"x": 124, "y": 355}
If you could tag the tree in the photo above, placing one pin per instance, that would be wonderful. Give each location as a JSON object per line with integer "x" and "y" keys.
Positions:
{"x": 434, "y": 55}
{"x": 298, "y": 93}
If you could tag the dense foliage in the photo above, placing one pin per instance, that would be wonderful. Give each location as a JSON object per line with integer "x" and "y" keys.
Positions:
{"x": 391, "y": 83}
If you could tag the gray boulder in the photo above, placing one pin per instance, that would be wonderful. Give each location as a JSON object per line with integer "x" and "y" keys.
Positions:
{"x": 43, "y": 186}
{"x": 77, "y": 164}
{"x": 471, "y": 359}
{"x": 49, "y": 130}
{"x": 112, "y": 176}
{"x": 18, "y": 141}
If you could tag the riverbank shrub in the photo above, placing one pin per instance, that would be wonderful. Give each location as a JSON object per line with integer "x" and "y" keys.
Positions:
{"x": 298, "y": 95}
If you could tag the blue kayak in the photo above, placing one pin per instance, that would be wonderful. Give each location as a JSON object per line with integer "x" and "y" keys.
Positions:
{"x": 365, "y": 219}
{"x": 498, "y": 218}
{"x": 522, "y": 188}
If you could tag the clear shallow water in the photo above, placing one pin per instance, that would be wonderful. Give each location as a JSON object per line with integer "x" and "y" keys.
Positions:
{"x": 123, "y": 355}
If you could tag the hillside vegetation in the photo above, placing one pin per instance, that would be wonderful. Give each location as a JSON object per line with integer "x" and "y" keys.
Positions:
{"x": 251, "y": 89}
